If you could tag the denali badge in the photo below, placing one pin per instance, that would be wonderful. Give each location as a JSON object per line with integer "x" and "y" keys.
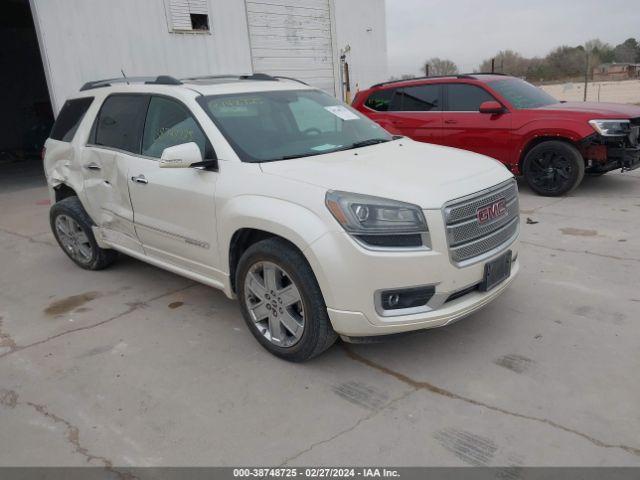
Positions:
{"x": 491, "y": 211}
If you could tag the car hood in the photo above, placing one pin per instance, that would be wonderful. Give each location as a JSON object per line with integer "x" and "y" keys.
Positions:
{"x": 419, "y": 173}
{"x": 597, "y": 109}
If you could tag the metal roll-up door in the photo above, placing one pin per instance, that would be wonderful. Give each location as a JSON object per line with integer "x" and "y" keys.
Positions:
{"x": 293, "y": 38}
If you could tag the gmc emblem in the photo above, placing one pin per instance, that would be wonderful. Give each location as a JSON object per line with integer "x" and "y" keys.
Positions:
{"x": 492, "y": 211}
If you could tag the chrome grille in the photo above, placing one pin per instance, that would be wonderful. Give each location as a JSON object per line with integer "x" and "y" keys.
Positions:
{"x": 467, "y": 238}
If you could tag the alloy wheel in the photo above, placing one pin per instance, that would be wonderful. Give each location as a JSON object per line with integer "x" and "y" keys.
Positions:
{"x": 274, "y": 304}
{"x": 73, "y": 239}
{"x": 551, "y": 171}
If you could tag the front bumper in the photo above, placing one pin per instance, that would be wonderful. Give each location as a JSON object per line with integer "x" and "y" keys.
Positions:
{"x": 631, "y": 158}
{"x": 607, "y": 154}
{"x": 357, "y": 324}
{"x": 349, "y": 275}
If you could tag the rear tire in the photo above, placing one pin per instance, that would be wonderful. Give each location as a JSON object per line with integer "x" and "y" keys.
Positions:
{"x": 281, "y": 301}
{"x": 553, "y": 168}
{"x": 71, "y": 225}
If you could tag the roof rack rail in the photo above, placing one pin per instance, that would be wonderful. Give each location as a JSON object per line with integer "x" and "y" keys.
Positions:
{"x": 252, "y": 76}
{"x": 456, "y": 75}
{"x": 258, "y": 76}
{"x": 211, "y": 77}
{"x": 466, "y": 75}
{"x": 292, "y": 79}
{"x": 159, "y": 80}
{"x": 247, "y": 76}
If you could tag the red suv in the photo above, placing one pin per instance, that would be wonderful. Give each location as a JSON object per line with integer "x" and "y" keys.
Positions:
{"x": 553, "y": 144}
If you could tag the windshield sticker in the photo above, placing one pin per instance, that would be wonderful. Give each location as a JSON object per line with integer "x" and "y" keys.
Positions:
{"x": 325, "y": 147}
{"x": 342, "y": 112}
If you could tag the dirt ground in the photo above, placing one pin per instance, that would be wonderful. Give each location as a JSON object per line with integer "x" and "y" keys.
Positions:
{"x": 616, "y": 92}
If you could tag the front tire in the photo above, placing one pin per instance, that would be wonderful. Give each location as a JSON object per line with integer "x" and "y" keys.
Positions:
{"x": 71, "y": 225}
{"x": 281, "y": 301}
{"x": 553, "y": 168}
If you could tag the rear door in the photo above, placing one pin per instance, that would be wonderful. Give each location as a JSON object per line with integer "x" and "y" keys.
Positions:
{"x": 414, "y": 111}
{"x": 113, "y": 143}
{"x": 174, "y": 208}
{"x": 465, "y": 127}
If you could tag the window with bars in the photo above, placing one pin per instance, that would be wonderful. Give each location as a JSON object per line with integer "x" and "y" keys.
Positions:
{"x": 188, "y": 15}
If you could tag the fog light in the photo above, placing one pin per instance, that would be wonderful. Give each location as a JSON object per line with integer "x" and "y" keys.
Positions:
{"x": 406, "y": 297}
{"x": 393, "y": 300}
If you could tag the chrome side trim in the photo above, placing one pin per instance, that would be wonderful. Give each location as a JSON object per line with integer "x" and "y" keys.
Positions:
{"x": 190, "y": 241}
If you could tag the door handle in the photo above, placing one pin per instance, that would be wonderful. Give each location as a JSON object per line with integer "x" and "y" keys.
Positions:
{"x": 450, "y": 122}
{"x": 92, "y": 166}
{"x": 140, "y": 179}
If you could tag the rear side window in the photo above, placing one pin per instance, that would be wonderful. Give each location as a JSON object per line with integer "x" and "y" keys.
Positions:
{"x": 121, "y": 121}
{"x": 69, "y": 118}
{"x": 380, "y": 100}
{"x": 466, "y": 98}
{"x": 421, "y": 98}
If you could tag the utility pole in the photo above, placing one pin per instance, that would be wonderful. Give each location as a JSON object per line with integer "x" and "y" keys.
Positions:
{"x": 426, "y": 70}
{"x": 493, "y": 65}
{"x": 347, "y": 84}
{"x": 586, "y": 75}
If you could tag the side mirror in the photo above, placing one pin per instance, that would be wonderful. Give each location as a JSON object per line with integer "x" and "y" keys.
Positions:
{"x": 181, "y": 156}
{"x": 491, "y": 107}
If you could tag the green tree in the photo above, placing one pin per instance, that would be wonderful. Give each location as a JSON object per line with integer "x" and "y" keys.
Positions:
{"x": 599, "y": 51}
{"x": 628, "y": 51}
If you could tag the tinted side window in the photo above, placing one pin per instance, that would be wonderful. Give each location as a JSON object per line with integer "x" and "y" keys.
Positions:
{"x": 120, "y": 122}
{"x": 168, "y": 124}
{"x": 69, "y": 118}
{"x": 466, "y": 98}
{"x": 380, "y": 100}
{"x": 421, "y": 98}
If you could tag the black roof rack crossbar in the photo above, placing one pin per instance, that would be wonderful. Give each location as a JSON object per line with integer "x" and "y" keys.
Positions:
{"x": 458, "y": 75}
{"x": 159, "y": 80}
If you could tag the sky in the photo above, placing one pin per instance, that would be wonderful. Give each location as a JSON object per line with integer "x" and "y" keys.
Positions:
{"x": 469, "y": 31}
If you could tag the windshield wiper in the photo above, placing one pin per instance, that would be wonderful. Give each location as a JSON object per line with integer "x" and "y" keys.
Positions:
{"x": 300, "y": 155}
{"x": 366, "y": 143}
{"x": 363, "y": 143}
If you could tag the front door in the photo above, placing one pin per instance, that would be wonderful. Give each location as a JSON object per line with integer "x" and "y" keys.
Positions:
{"x": 465, "y": 127}
{"x": 174, "y": 208}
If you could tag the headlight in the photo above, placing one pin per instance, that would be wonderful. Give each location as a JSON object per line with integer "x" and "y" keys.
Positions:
{"x": 379, "y": 222}
{"x": 611, "y": 128}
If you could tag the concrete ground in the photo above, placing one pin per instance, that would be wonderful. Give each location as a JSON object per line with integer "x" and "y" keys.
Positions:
{"x": 137, "y": 366}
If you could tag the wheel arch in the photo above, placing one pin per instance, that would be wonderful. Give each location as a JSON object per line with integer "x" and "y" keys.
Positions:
{"x": 534, "y": 142}
{"x": 247, "y": 220}
{"x": 62, "y": 191}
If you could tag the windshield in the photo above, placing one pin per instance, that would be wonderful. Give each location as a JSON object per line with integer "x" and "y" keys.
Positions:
{"x": 522, "y": 95}
{"x": 281, "y": 125}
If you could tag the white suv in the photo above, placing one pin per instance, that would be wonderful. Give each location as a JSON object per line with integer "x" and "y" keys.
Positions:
{"x": 316, "y": 218}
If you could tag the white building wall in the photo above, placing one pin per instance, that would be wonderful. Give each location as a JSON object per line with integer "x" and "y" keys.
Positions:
{"x": 83, "y": 40}
{"x": 361, "y": 24}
